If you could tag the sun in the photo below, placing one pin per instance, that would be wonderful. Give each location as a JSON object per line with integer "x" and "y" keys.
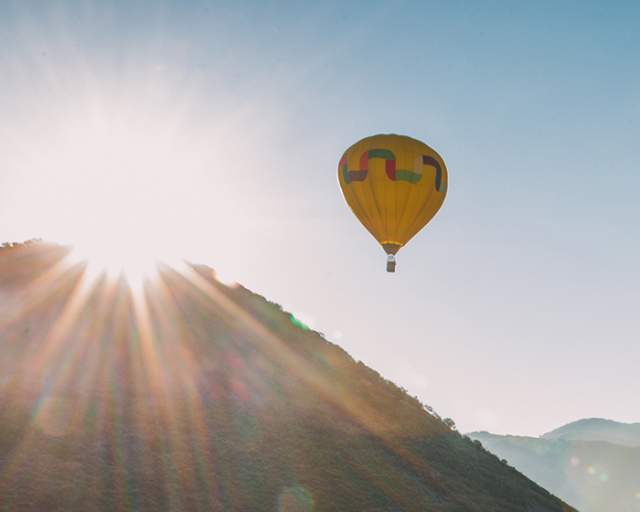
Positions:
{"x": 129, "y": 182}
{"x": 122, "y": 233}
{"x": 135, "y": 263}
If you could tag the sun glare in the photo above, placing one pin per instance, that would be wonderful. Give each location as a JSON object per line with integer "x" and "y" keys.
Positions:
{"x": 114, "y": 260}
{"x": 135, "y": 171}
{"x": 126, "y": 203}
{"x": 129, "y": 182}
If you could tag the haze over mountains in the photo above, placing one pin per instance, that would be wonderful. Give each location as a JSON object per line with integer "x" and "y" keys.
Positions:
{"x": 593, "y": 464}
{"x": 191, "y": 395}
{"x": 598, "y": 429}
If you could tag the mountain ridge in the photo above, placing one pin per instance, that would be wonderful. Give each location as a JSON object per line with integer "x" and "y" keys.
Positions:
{"x": 193, "y": 395}
{"x": 598, "y": 429}
{"x": 577, "y": 462}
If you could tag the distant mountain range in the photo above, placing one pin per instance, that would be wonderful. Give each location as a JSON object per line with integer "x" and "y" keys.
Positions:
{"x": 597, "y": 429}
{"x": 193, "y": 396}
{"x": 593, "y": 464}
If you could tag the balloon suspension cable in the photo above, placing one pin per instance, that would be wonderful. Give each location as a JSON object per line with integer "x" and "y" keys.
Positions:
{"x": 391, "y": 263}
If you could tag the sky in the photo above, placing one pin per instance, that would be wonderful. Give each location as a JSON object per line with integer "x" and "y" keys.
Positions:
{"x": 212, "y": 131}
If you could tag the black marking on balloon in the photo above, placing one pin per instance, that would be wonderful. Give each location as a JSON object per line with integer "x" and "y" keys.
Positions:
{"x": 429, "y": 160}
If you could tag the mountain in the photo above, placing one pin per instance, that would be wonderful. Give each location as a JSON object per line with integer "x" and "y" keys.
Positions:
{"x": 598, "y": 429}
{"x": 593, "y": 475}
{"x": 189, "y": 395}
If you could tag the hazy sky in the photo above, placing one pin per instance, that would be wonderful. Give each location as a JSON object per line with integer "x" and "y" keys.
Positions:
{"x": 213, "y": 130}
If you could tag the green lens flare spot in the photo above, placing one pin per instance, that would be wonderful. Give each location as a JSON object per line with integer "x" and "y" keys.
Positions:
{"x": 297, "y": 323}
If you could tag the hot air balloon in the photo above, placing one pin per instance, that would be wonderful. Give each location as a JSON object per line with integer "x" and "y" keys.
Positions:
{"x": 394, "y": 185}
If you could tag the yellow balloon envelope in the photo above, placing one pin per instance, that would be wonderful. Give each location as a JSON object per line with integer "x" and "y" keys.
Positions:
{"x": 394, "y": 185}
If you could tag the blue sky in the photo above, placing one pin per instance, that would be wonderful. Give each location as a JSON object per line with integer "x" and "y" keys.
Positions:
{"x": 515, "y": 310}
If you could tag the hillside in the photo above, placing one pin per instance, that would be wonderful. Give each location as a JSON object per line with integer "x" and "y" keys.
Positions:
{"x": 195, "y": 396}
{"x": 598, "y": 429}
{"x": 592, "y": 475}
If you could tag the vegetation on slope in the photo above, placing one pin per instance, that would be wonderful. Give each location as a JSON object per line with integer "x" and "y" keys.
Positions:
{"x": 191, "y": 395}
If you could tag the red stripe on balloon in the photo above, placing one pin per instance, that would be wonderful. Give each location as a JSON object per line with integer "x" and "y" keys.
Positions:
{"x": 364, "y": 161}
{"x": 390, "y": 167}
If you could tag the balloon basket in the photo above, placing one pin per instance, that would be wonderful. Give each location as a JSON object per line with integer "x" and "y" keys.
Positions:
{"x": 391, "y": 263}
